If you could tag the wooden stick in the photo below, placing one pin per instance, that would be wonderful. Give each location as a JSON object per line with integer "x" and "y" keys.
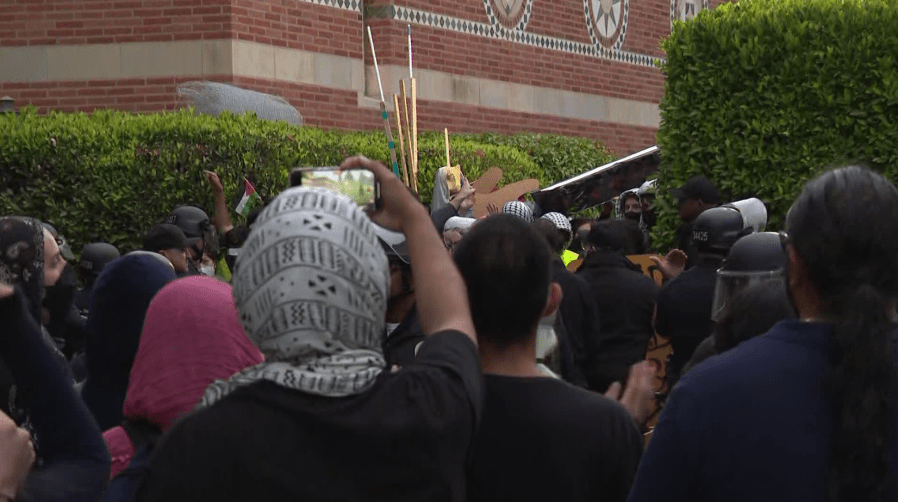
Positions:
{"x": 401, "y": 140}
{"x": 383, "y": 108}
{"x": 414, "y": 133}
{"x": 448, "y": 162}
{"x": 407, "y": 132}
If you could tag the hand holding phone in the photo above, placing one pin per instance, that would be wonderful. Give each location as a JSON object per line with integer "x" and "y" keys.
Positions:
{"x": 358, "y": 184}
{"x": 398, "y": 202}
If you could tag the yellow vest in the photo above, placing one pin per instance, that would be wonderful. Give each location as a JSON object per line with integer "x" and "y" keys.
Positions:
{"x": 568, "y": 256}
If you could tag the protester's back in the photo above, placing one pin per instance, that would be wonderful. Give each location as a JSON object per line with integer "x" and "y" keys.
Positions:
{"x": 191, "y": 337}
{"x": 321, "y": 419}
{"x": 540, "y": 438}
{"x": 120, "y": 300}
{"x": 626, "y": 300}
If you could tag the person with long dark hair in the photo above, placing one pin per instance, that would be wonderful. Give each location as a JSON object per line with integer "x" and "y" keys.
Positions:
{"x": 807, "y": 411}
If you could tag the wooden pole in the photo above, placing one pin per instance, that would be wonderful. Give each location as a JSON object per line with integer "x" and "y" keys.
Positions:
{"x": 383, "y": 109}
{"x": 398, "y": 115}
{"x": 414, "y": 133}
{"x": 412, "y": 159}
{"x": 448, "y": 162}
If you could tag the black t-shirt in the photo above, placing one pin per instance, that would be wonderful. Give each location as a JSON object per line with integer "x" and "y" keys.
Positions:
{"x": 405, "y": 439}
{"x": 542, "y": 439}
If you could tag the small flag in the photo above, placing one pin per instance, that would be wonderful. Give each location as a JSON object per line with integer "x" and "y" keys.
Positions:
{"x": 249, "y": 199}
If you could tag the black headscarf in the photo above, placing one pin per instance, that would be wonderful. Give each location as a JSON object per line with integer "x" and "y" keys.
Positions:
{"x": 22, "y": 258}
{"x": 22, "y": 265}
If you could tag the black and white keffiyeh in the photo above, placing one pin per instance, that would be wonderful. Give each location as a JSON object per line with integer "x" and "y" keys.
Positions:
{"x": 519, "y": 209}
{"x": 559, "y": 220}
{"x": 311, "y": 290}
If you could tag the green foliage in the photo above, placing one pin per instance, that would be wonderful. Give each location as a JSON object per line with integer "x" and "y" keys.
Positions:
{"x": 761, "y": 96}
{"x": 111, "y": 175}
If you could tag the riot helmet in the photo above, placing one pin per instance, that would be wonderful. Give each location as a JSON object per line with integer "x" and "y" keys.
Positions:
{"x": 95, "y": 256}
{"x": 197, "y": 227}
{"x": 717, "y": 229}
{"x": 754, "y": 258}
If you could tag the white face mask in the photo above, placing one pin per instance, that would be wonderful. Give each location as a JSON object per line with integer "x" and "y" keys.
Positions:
{"x": 208, "y": 270}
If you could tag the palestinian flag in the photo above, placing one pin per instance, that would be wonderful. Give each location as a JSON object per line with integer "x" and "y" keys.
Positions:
{"x": 250, "y": 198}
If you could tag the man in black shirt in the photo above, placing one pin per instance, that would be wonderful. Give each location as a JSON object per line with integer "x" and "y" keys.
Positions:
{"x": 626, "y": 300}
{"x": 540, "y": 438}
{"x": 322, "y": 419}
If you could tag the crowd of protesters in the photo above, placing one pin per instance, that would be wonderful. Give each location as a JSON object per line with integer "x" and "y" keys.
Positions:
{"x": 324, "y": 353}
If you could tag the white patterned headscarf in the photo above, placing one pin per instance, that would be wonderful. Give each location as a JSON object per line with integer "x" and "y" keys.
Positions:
{"x": 518, "y": 209}
{"x": 311, "y": 287}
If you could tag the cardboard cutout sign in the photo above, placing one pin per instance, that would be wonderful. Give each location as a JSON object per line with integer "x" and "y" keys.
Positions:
{"x": 487, "y": 183}
{"x": 503, "y": 195}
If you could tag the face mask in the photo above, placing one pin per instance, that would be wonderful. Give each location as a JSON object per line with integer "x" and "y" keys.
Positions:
{"x": 632, "y": 216}
{"x": 208, "y": 270}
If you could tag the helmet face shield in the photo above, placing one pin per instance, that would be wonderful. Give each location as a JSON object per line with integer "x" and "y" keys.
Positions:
{"x": 730, "y": 283}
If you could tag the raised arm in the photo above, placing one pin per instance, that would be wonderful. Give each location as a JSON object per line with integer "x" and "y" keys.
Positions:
{"x": 222, "y": 218}
{"x": 442, "y": 297}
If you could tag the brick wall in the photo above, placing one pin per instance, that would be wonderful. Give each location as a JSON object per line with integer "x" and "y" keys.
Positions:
{"x": 307, "y": 26}
{"x": 319, "y": 106}
{"x": 299, "y": 25}
{"x": 70, "y": 22}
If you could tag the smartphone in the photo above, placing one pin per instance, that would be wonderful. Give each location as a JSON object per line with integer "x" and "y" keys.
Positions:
{"x": 357, "y": 184}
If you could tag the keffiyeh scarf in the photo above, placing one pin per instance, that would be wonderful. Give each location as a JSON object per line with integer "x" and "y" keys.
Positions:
{"x": 311, "y": 290}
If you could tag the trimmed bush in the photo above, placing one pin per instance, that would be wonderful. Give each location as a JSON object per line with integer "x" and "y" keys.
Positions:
{"x": 111, "y": 175}
{"x": 761, "y": 96}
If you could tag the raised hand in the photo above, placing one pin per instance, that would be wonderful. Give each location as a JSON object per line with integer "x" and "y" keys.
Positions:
{"x": 671, "y": 265}
{"x": 638, "y": 395}
{"x": 214, "y": 181}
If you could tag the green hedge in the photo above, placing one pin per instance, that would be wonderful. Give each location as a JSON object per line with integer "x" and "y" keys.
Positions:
{"x": 111, "y": 175}
{"x": 761, "y": 96}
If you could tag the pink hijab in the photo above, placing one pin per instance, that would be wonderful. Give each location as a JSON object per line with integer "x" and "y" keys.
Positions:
{"x": 191, "y": 337}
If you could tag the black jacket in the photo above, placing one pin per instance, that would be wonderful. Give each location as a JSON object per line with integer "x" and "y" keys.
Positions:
{"x": 399, "y": 346}
{"x": 75, "y": 459}
{"x": 684, "y": 310}
{"x": 580, "y": 318}
{"x": 625, "y": 299}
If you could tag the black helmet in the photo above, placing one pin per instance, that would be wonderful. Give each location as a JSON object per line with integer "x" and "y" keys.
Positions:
{"x": 393, "y": 244}
{"x": 752, "y": 259}
{"x": 191, "y": 219}
{"x": 195, "y": 224}
{"x": 716, "y": 229}
{"x": 95, "y": 256}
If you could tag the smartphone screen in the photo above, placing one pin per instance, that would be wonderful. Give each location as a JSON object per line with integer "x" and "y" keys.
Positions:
{"x": 357, "y": 184}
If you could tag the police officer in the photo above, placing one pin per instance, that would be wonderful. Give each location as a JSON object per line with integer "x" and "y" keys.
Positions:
{"x": 753, "y": 259}
{"x": 94, "y": 258}
{"x": 684, "y": 304}
{"x": 202, "y": 237}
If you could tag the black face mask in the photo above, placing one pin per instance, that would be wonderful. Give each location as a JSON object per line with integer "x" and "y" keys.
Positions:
{"x": 59, "y": 298}
{"x": 633, "y": 216}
